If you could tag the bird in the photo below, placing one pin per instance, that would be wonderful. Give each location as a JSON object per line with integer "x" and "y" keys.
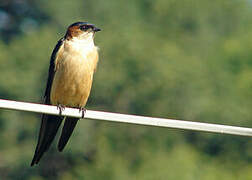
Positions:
{"x": 72, "y": 65}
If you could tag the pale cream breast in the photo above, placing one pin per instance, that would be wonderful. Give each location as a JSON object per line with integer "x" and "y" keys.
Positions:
{"x": 74, "y": 73}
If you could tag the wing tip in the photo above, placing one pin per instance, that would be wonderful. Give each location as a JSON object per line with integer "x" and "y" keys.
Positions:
{"x": 34, "y": 161}
{"x": 47, "y": 139}
{"x": 62, "y": 142}
{"x": 66, "y": 133}
{"x": 36, "y": 158}
{"x": 60, "y": 147}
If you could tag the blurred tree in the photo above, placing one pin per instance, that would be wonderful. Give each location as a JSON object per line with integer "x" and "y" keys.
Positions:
{"x": 187, "y": 59}
{"x": 19, "y": 16}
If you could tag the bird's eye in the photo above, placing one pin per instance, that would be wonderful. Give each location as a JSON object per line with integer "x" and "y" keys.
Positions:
{"x": 84, "y": 28}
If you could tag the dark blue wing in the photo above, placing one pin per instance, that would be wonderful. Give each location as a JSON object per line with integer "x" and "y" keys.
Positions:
{"x": 50, "y": 123}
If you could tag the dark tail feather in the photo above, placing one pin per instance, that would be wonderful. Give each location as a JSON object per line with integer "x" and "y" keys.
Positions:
{"x": 48, "y": 129}
{"x": 67, "y": 131}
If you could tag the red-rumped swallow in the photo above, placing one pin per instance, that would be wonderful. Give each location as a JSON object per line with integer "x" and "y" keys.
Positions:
{"x": 72, "y": 65}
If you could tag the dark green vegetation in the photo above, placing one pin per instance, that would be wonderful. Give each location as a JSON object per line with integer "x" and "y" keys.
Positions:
{"x": 187, "y": 59}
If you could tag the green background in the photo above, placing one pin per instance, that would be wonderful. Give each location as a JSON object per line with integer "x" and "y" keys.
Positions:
{"x": 186, "y": 59}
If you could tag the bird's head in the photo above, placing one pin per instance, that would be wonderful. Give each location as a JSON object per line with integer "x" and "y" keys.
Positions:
{"x": 81, "y": 30}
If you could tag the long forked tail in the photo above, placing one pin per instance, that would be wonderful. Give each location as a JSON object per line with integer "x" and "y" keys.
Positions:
{"x": 48, "y": 129}
{"x": 67, "y": 131}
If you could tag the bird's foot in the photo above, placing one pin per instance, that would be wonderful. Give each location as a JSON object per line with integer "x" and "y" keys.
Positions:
{"x": 83, "y": 110}
{"x": 61, "y": 108}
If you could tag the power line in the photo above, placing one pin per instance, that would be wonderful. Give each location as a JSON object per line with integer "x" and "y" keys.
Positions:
{"x": 132, "y": 119}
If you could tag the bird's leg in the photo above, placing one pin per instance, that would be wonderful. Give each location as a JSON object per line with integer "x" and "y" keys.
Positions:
{"x": 61, "y": 108}
{"x": 83, "y": 110}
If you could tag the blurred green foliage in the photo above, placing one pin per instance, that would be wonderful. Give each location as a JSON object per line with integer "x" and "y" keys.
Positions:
{"x": 187, "y": 59}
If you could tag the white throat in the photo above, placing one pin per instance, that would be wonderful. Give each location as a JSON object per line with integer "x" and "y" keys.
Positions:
{"x": 83, "y": 43}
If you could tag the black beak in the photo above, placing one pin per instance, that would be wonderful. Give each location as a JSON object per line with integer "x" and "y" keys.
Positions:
{"x": 96, "y": 29}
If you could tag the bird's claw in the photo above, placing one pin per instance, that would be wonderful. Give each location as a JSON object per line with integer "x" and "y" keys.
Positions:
{"x": 83, "y": 110}
{"x": 61, "y": 108}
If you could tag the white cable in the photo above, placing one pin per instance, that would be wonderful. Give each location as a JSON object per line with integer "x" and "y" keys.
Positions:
{"x": 132, "y": 119}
